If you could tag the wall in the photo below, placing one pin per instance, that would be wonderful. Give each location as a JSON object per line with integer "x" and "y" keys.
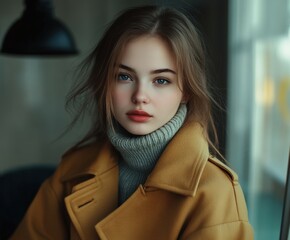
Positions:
{"x": 33, "y": 89}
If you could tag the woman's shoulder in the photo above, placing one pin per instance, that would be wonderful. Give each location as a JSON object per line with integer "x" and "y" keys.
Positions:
{"x": 80, "y": 160}
{"x": 218, "y": 167}
{"x": 217, "y": 176}
{"x": 219, "y": 184}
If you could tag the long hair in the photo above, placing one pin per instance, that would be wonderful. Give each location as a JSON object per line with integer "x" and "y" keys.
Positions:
{"x": 93, "y": 94}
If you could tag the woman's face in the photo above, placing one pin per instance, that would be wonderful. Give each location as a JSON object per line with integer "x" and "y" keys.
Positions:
{"x": 146, "y": 94}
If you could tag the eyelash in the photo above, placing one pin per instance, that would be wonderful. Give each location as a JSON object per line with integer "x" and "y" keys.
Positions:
{"x": 155, "y": 81}
{"x": 120, "y": 75}
{"x": 165, "y": 81}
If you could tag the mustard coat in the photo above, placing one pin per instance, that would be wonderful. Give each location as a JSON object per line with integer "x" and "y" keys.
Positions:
{"x": 189, "y": 195}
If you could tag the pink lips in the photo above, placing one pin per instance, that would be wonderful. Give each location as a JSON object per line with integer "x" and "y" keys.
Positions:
{"x": 138, "y": 116}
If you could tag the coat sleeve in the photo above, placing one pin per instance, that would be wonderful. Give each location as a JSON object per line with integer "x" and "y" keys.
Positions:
{"x": 44, "y": 218}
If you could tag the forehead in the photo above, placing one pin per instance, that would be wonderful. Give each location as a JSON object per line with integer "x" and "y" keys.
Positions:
{"x": 150, "y": 52}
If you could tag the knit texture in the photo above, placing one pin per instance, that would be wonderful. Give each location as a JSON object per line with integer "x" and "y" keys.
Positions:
{"x": 140, "y": 153}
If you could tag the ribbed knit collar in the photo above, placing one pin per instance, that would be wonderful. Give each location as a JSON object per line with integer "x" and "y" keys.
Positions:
{"x": 140, "y": 153}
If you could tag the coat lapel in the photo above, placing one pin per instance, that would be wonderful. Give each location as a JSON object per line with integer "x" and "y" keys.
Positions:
{"x": 180, "y": 166}
{"x": 141, "y": 215}
{"x": 93, "y": 199}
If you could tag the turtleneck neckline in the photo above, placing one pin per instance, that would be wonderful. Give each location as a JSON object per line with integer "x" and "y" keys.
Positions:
{"x": 141, "y": 152}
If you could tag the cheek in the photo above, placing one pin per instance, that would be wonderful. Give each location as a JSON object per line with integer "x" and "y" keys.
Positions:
{"x": 119, "y": 96}
{"x": 171, "y": 99}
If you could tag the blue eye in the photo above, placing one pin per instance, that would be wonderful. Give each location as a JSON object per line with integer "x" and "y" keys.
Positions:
{"x": 162, "y": 81}
{"x": 123, "y": 77}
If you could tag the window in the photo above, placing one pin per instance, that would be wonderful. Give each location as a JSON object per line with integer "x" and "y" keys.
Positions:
{"x": 259, "y": 107}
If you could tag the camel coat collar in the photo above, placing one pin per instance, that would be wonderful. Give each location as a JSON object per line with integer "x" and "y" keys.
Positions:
{"x": 187, "y": 152}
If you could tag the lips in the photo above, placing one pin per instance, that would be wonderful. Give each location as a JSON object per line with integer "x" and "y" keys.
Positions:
{"x": 139, "y": 116}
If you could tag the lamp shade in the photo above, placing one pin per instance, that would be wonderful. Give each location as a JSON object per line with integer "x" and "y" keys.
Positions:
{"x": 37, "y": 32}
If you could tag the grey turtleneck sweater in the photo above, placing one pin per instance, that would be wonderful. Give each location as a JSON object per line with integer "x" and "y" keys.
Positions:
{"x": 140, "y": 153}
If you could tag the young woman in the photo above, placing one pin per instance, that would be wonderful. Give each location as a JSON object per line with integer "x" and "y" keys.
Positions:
{"x": 144, "y": 170}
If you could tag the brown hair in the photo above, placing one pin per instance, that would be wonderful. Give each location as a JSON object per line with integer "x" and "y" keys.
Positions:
{"x": 183, "y": 38}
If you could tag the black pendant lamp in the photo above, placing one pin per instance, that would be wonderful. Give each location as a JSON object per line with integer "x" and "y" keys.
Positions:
{"x": 37, "y": 32}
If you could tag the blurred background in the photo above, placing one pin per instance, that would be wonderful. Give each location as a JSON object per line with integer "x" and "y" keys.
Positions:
{"x": 249, "y": 50}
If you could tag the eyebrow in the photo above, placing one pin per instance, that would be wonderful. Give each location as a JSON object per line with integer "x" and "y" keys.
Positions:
{"x": 162, "y": 70}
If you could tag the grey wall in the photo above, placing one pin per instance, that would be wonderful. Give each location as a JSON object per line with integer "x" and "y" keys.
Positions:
{"x": 32, "y": 90}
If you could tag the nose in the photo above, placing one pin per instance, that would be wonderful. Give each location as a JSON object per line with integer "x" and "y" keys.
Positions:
{"x": 140, "y": 95}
